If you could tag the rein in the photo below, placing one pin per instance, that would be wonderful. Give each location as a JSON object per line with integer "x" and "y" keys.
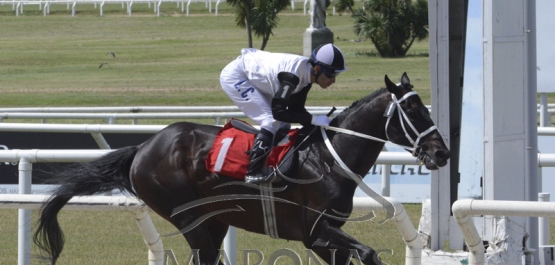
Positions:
{"x": 390, "y": 208}
{"x": 395, "y": 104}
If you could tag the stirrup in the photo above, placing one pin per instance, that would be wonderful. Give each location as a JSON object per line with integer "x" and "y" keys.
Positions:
{"x": 259, "y": 178}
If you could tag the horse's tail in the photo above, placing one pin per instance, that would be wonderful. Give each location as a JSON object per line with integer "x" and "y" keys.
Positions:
{"x": 109, "y": 172}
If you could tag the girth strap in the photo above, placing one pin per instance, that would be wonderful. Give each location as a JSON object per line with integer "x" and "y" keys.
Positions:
{"x": 268, "y": 210}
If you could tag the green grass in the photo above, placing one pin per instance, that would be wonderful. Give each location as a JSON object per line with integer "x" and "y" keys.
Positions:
{"x": 167, "y": 60}
{"x": 113, "y": 238}
{"x": 53, "y": 61}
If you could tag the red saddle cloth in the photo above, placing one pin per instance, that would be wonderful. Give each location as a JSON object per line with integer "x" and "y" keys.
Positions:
{"x": 229, "y": 157}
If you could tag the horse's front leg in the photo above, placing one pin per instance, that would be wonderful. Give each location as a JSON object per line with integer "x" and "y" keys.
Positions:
{"x": 335, "y": 246}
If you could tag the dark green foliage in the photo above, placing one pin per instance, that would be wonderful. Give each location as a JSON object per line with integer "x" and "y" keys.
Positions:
{"x": 259, "y": 16}
{"x": 391, "y": 25}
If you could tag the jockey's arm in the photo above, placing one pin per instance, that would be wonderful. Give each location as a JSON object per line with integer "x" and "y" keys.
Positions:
{"x": 289, "y": 107}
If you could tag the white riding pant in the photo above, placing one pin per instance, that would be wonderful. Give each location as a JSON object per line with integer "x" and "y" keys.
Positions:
{"x": 248, "y": 98}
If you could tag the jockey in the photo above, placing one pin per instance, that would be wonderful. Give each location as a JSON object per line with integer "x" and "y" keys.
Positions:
{"x": 271, "y": 89}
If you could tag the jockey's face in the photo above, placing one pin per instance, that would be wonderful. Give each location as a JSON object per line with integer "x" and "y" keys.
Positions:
{"x": 326, "y": 78}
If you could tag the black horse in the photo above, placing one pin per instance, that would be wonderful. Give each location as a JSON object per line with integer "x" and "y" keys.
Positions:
{"x": 168, "y": 173}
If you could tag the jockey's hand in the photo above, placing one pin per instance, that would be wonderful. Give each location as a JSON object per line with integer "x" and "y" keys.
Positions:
{"x": 320, "y": 120}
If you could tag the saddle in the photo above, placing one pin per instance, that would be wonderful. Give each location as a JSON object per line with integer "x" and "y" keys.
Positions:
{"x": 229, "y": 153}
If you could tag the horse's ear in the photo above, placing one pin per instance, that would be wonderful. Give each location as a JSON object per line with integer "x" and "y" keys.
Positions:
{"x": 405, "y": 81}
{"x": 388, "y": 82}
{"x": 392, "y": 88}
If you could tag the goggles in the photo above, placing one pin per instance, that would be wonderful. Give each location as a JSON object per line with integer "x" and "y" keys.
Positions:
{"x": 329, "y": 73}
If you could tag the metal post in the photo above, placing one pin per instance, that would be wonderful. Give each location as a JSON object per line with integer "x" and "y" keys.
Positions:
{"x": 230, "y": 245}
{"x": 532, "y": 134}
{"x": 386, "y": 178}
{"x": 24, "y": 218}
{"x": 543, "y": 223}
{"x": 545, "y": 117}
{"x": 151, "y": 237}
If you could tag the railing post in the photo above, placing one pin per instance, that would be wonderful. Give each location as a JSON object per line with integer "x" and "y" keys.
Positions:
{"x": 151, "y": 237}
{"x": 543, "y": 223}
{"x": 545, "y": 117}
{"x": 386, "y": 178}
{"x": 230, "y": 245}
{"x": 24, "y": 218}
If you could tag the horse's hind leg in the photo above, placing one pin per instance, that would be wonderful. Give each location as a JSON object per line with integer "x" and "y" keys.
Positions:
{"x": 205, "y": 240}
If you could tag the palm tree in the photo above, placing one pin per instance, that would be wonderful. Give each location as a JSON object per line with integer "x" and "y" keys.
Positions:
{"x": 391, "y": 25}
{"x": 259, "y": 16}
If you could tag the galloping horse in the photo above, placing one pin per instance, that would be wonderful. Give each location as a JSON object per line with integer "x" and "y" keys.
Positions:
{"x": 169, "y": 174}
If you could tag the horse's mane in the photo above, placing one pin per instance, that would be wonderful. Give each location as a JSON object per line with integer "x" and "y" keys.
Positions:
{"x": 363, "y": 101}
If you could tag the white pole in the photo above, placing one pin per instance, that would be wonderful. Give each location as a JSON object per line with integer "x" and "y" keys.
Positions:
{"x": 24, "y": 217}
{"x": 543, "y": 223}
{"x": 129, "y": 11}
{"x": 158, "y": 8}
{"x": 151, "y": 237}
{"x": 403, "y": 223}
{"x": 230, "y": 245}
{"x": 545, "y": 117}
{"x": 217, "y": 4}
{"x": 386, "y": 178}
{"x": 463, "y": 210}
{"x": 99, "y": 139}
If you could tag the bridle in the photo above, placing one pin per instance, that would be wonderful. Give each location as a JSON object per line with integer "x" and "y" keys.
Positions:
{"x": 394, "y": 105}
{"x": 416, "y": 149}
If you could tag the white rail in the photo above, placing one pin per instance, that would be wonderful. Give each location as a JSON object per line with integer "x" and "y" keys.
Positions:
{"x": 113, "y": 113}
{"x": 97, "y": 130}
{"x": 83, "y": 155}
{"x": 111, "y": 117}
{"x": 45, "y": 4}
{"x": 136, "y": 109}
{"x": 27, "y": 157}
{"x": 94, "y": 203}
{"x": 79, "y": 128}
{"x": 464, "y": 209}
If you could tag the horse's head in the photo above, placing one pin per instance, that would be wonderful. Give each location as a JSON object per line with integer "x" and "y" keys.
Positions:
{"x": 409, "y": 125}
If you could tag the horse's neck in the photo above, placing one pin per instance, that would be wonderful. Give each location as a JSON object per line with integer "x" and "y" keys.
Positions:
{"x": 358, "y": 153}
{"x": 369, "y": 118}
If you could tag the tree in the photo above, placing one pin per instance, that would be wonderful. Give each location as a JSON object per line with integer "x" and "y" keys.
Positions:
{"x": 391, "y": 25}
{"x": 259, "y": 16}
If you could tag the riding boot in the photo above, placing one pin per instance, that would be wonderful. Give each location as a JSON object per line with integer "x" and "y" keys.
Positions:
{"x": 260, "y": 150}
